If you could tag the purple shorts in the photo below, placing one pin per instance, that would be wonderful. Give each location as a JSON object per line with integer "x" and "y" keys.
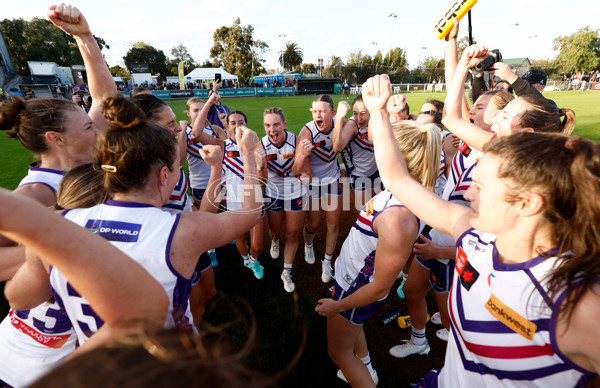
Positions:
{"x": 359, "y": 315}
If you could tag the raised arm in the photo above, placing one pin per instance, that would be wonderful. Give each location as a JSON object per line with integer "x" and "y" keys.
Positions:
{"x": 343, "y": 131}
{"x": 200, "y": 122}
{"x": 451, "y": 61}
{"x": 213, "y": 156}
{"x": 476, "y": 137}
{"x": 444, "y": 216}
{"x": 303, "y": 149}
{"x": 84, "y": 257}
{"x": 101, "y": 84}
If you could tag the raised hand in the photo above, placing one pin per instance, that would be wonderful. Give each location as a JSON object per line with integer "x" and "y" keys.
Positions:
{"x": 343, "y": 109}
{"x": 396, "y": 103}
{"x": 472, "y": 55}
{"x": 246, "y": 139}
{"x": 306, "y": 147}
{"x": 69, "y": 19}
{"x": 211, "y": 154}
{"x": 376, "y": 92}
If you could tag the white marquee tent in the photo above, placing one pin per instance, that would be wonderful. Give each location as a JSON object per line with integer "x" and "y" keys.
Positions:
{"x": 208, "y": 73}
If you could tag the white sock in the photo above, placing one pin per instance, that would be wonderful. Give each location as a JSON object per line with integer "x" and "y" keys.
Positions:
{"x": 246, "y": 260}
{"x": 418, "y": 336}
{"x": 287, "y": 268}
{"x": 308, "y": 245}
{"x": 252, "y": 259}
{"x": 367, "y": 361}
{"x": 328, "y": 257}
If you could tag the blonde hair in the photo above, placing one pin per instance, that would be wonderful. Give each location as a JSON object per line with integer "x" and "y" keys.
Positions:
{"x": 81, "y": 187}
{"x": 421, "y": 146}
{"x": 191, "y": 102}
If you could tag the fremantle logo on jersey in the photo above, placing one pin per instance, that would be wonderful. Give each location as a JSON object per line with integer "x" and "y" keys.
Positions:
{"x": 115, "y": 230}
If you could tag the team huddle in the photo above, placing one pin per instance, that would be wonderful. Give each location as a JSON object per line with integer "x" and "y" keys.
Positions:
{"x": 494, "y": 207}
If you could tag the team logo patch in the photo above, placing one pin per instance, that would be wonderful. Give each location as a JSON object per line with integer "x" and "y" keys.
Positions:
{"x": 193, "y": 141}
{"x": 271, "y": 157}
{"x": 468, "y": 276}
{"x": 115, "y": 230}
{"x": 231, "y": 154}
{"x": 362, "y": 135}
{"x": 288, "y": 156}
{"x": 510, "y": 318}
{"x": 461, "y": 260}
{"x": 465, "y": 149}
{"x": 320, "y": 144}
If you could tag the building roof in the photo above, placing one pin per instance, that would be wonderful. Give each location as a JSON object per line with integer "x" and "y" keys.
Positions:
{"x": 517, "y": 61}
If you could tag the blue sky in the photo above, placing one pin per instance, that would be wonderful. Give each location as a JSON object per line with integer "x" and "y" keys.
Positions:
{"x": 519, "y": 28}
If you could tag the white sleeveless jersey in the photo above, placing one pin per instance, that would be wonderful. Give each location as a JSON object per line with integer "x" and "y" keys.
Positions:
{"x": 33, "y": 342}
{"x": 144, "y": 233}
{"x": 355, "y": 266}
{"x": 282, "y": 183}
{"x": 233, "y": 175}
{"x": 323, "y": 159}
{"x": 48, "y": 177}
{"x": 501, "y": 322}
{"x": 198, "y": 169}
{"x": 363, "y": 156}
{"x": 179, "y": 202}
{"x": 464, "y": 159}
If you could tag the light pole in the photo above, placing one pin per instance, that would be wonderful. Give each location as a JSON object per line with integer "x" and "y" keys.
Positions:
{"x": 393, "y": 16}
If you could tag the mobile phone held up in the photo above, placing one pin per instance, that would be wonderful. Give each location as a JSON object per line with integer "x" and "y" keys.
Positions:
{"x": 217, "y": 77}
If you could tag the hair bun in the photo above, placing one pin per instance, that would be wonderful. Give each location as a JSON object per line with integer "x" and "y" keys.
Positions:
{"x": 10, "y": 112}
{"x": 122, "y": 113}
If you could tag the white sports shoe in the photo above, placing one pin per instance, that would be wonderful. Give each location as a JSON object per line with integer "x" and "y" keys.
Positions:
{"x": 327, "y": 271}
{"x": 442, "y": 334}
{"x": 436, "y": 319}
{"x": 374, "y": 376}
{"x": 288, "y": 284}
{"x": 274, "y": 249}
{"x": 309, "y": 254}
{"x": 408, "y": 348}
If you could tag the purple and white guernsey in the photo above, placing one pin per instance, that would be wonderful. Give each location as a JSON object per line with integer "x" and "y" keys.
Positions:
{"x": 355, "y": 265}
{"x": 323, "y": 159}
{"x": 282, "y": 183}
{"x": 363, "y": 156}
{"x": 179, "y": 202}
{"x": 502, "y": 323}
{"x": 460, "y": 177}
{"x": 144, "y": 233}
{"x": 233, "y": 175}
{"x": 45, "y": 176}
{"x": 199, "y": 170}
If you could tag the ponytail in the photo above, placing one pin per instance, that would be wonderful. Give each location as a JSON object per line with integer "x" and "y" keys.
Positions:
{"x": 421, "y": 147}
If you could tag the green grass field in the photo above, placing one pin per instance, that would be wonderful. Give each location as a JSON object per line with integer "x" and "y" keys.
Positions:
{"x": 15, "y": 158}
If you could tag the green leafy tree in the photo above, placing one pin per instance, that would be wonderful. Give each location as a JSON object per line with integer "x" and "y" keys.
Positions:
{"x": 236, "y": 50}
{"x": 118, "y": 71}
{"x": 291, "y": 56}
{"x": 180, "y": 53}
{"x": 141, "y": 52}
{"x": 432, "y": 69}
{"x": 333, "y": 68}
{"x": 579, "y": 51}
{"x": 40, "y": 40}
{"x": 308, "y": 68}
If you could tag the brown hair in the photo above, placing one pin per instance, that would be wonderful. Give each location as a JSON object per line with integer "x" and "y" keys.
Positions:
{"x": 421, "y": 146}
{"x": 565, "y": 172}
{"x": 500, "y": 98}
{"x": 325, "y": 98}
{"x": 131, "y": 147}
{"x": 191, "y": 101}
{"x": 274, "y": 111}
{"x": 358, "y": 98}
{"x": 149, "y": 103}
{"x": 30, "y": 120}
{"x": 439, "y": 105}
{"x": 81, "y": 187}
{"x": 543, "y": 116}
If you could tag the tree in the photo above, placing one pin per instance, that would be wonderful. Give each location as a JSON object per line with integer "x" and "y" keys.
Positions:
{"x": 333, "y": 68}
{"x": 308, "y": 68}
{"x": 433, "y": 69}
{"x": 141, "y": 52}
{"x": 40, "y": 40}
{"x": 180, "y": 53}
{"x": 579, "y": 51}
{"x": 118, "y": 71}
{"x": 291, "y": 56}
{"x": 237, "y": 51}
